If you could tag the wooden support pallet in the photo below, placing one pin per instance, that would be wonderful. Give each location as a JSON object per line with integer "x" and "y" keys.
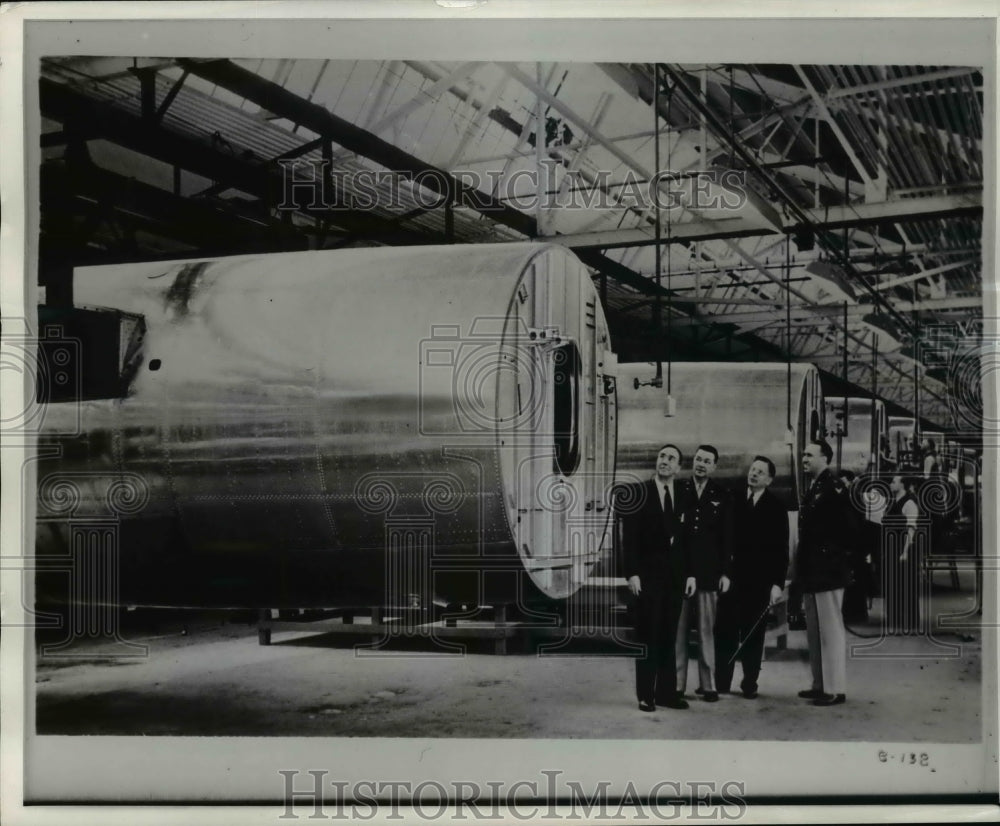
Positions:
{"x": 382, "y": 624}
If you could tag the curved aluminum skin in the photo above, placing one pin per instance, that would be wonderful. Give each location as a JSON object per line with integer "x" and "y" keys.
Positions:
{"x": 358, "y": 427}
{"x": 740, "y": 408}
{"x": 867, "y": 428}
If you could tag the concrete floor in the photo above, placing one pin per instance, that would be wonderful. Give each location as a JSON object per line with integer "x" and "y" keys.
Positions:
{"x": 214, "y": 679}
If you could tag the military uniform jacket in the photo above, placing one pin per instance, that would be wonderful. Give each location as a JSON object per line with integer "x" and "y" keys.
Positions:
{"x": 708, "y": 533}
{"x": 822, "y": 560}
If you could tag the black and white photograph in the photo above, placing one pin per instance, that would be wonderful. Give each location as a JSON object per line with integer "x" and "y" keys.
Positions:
{"x": 494, "y": 416}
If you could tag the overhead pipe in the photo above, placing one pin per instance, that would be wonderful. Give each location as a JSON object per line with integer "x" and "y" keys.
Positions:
{"x": 658, "y": 381}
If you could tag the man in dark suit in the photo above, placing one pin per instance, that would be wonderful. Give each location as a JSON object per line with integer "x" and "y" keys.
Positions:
{"x": 760, "y": 562}
{"x": 659, "y": 573}
{"x": 822, "y": 570}
{"x": 708, "y": 538}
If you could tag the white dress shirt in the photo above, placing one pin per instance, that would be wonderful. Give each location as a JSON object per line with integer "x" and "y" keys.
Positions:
{"x": 662, "y": 486}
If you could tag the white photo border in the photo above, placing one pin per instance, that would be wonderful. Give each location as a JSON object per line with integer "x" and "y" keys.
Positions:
{"x": 189, "y": 770}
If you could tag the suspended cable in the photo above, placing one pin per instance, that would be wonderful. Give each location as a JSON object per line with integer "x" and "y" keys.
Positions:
{"x": 732, "y": 122}
{"x": 876, "y": 437}
{"x": 916, "y": 372}
{"x": 788, "y": 333}
{"x": 670, "y": 313}
{"x": 658, "y": 382}
{"x": 842, "y": 432}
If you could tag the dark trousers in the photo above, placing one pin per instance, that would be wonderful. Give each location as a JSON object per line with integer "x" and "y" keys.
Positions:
{"x": 738, "y": 611}
{"x": 658, "y": 609}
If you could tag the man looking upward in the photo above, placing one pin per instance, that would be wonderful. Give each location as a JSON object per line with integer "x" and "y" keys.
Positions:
{"x": 760, "y": 563}
{"x": 822, "y": 570}
{"x": 708, "y": 538}
{"x": 658, "y": 571}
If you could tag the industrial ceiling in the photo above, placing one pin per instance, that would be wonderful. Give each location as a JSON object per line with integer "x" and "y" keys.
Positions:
{"x": 829, "y": 214}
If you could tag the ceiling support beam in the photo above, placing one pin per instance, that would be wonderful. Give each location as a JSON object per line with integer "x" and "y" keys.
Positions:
{"x": 839, "y": 217}
{"x": 280, "y": 101}
{"x": 626, "y": 159}
{"x": 174, "y": 90}
{"x": 816, "y": 314}
{"x": 898, "y": 282}
{"x": 698, "y": 230}
{"x": 904, "y": 209}
{"x": 60, "y": 102}
{"x": 211, "y": 228}
{"x": 895, "y": 83}
{"x": 423, "y": 97}
{"x": 824, "y": 110}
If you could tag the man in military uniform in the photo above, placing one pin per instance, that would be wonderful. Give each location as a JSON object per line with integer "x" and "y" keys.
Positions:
{"x": 708, "y": 538}
{"x": 822, "y": 571}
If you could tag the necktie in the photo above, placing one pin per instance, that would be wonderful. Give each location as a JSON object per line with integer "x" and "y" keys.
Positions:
{"x": 750, "y": 496}
{"x": 668, "y": 504}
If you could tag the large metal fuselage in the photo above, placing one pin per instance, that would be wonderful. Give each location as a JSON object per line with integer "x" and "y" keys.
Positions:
{"x": 350, "y": 428}
{"x": 742, "y": 409}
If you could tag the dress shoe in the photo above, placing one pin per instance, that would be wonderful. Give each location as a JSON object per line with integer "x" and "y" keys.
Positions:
{"x": 676, "y": 702}
{"x": 750, "y": 694}
{"x": 699, "y": 690}
{"x": 811, "y": 694}
{"x": 830, "y": 700}
{"x": 725, "y": 691}
{"x": 644, "y": 706}
{"x": 710, "y": 696}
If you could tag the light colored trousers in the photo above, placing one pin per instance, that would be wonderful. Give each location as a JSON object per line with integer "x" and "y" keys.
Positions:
{"x": 704, "y": 602}
{"x": 827, "y": 640}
